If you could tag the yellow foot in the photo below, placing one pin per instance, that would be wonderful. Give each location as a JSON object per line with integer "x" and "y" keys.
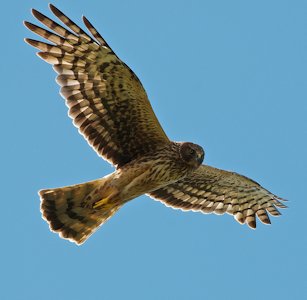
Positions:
{"x": 108, "y": 194}
{"x": 101, "y": 202}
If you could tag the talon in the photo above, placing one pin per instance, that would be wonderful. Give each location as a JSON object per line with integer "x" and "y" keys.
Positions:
{"x": 101, "y": 202}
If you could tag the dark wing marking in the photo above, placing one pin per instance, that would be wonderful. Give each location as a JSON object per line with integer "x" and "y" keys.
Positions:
{"x": 211, "y": 190}
{"x": 106, "y": 100}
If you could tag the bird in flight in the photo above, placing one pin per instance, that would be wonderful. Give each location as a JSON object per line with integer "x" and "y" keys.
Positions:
{"x": 110, "y": 108}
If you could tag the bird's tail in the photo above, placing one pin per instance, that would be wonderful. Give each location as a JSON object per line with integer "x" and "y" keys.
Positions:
{"x": 67, "y": 213}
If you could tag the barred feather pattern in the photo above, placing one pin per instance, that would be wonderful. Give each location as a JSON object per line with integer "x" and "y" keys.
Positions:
{"x": 211, "y": 190}
{"x": 109, "y": 106}
{"x": 65, "y": 212}
{"x": 106, "y": 100}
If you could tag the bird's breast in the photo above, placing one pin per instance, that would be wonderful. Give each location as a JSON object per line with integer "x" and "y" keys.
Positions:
{"x": 143, "y": 177}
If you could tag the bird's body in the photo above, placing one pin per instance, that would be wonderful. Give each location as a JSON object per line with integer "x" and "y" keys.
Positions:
{"x": 143, "y": 175}
{"x": 86, "y": 206}
{"x": 110, "y": 108}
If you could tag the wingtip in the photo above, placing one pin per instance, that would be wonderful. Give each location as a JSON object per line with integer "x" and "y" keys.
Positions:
{"x": 38, "y": 15}
{"x": 51, "y": 6}
{"x": 86, "y": 22}
{"x": 27, "y": 40}
{"x": 34, "y": 12}
{"x": 267, "y": 222}
{"x": 252, "y": 224}
{"x": 54, "y": 10}
{"x": 42, "y": 55}
{"x": 28, "y": 25}
{"x": 31, "y": 42}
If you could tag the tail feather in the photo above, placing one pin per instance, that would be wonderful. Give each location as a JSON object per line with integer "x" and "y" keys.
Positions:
{"x": 64, "y": 210}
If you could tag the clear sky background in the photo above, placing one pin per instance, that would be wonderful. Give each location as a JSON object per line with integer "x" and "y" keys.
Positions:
{"x": 228, "y": 75}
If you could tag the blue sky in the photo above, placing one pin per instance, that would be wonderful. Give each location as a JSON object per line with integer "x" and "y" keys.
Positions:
{"x": 228, "y": 75}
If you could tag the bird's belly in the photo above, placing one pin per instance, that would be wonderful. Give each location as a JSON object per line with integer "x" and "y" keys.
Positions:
{"x": 144, "y": 179}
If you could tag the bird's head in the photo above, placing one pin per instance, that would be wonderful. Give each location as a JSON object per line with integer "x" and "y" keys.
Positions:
{"x": 192, "y": 154}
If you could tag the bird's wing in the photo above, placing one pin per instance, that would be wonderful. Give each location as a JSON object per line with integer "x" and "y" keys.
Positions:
{"x": 211, "y": 190}
{"x": 106, "y": 100}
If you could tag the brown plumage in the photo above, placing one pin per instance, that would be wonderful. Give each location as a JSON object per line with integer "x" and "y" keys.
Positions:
{"x": 109, "y": 106}
{"x": 211, "y": 190}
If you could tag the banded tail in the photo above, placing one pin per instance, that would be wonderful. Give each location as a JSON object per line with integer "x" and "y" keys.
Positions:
{"x": 64, "y": 210}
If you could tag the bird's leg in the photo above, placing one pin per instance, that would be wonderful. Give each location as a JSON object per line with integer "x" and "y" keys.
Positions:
{"x": 108, "y": 193}
{"x": 103, "y": 196}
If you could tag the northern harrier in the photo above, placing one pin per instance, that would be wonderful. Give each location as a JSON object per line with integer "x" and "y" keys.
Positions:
{"x": 109, "y": 106}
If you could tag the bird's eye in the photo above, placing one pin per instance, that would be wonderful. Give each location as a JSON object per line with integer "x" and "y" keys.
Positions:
{"x": 191, "y": 151}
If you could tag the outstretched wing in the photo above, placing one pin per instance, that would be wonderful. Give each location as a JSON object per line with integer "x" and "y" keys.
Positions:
{"x": 211, "y": 190}
{"x": 106, "y": 100}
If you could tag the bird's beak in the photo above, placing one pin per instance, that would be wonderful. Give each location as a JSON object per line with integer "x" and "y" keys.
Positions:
{"x": 200, "y": 157}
